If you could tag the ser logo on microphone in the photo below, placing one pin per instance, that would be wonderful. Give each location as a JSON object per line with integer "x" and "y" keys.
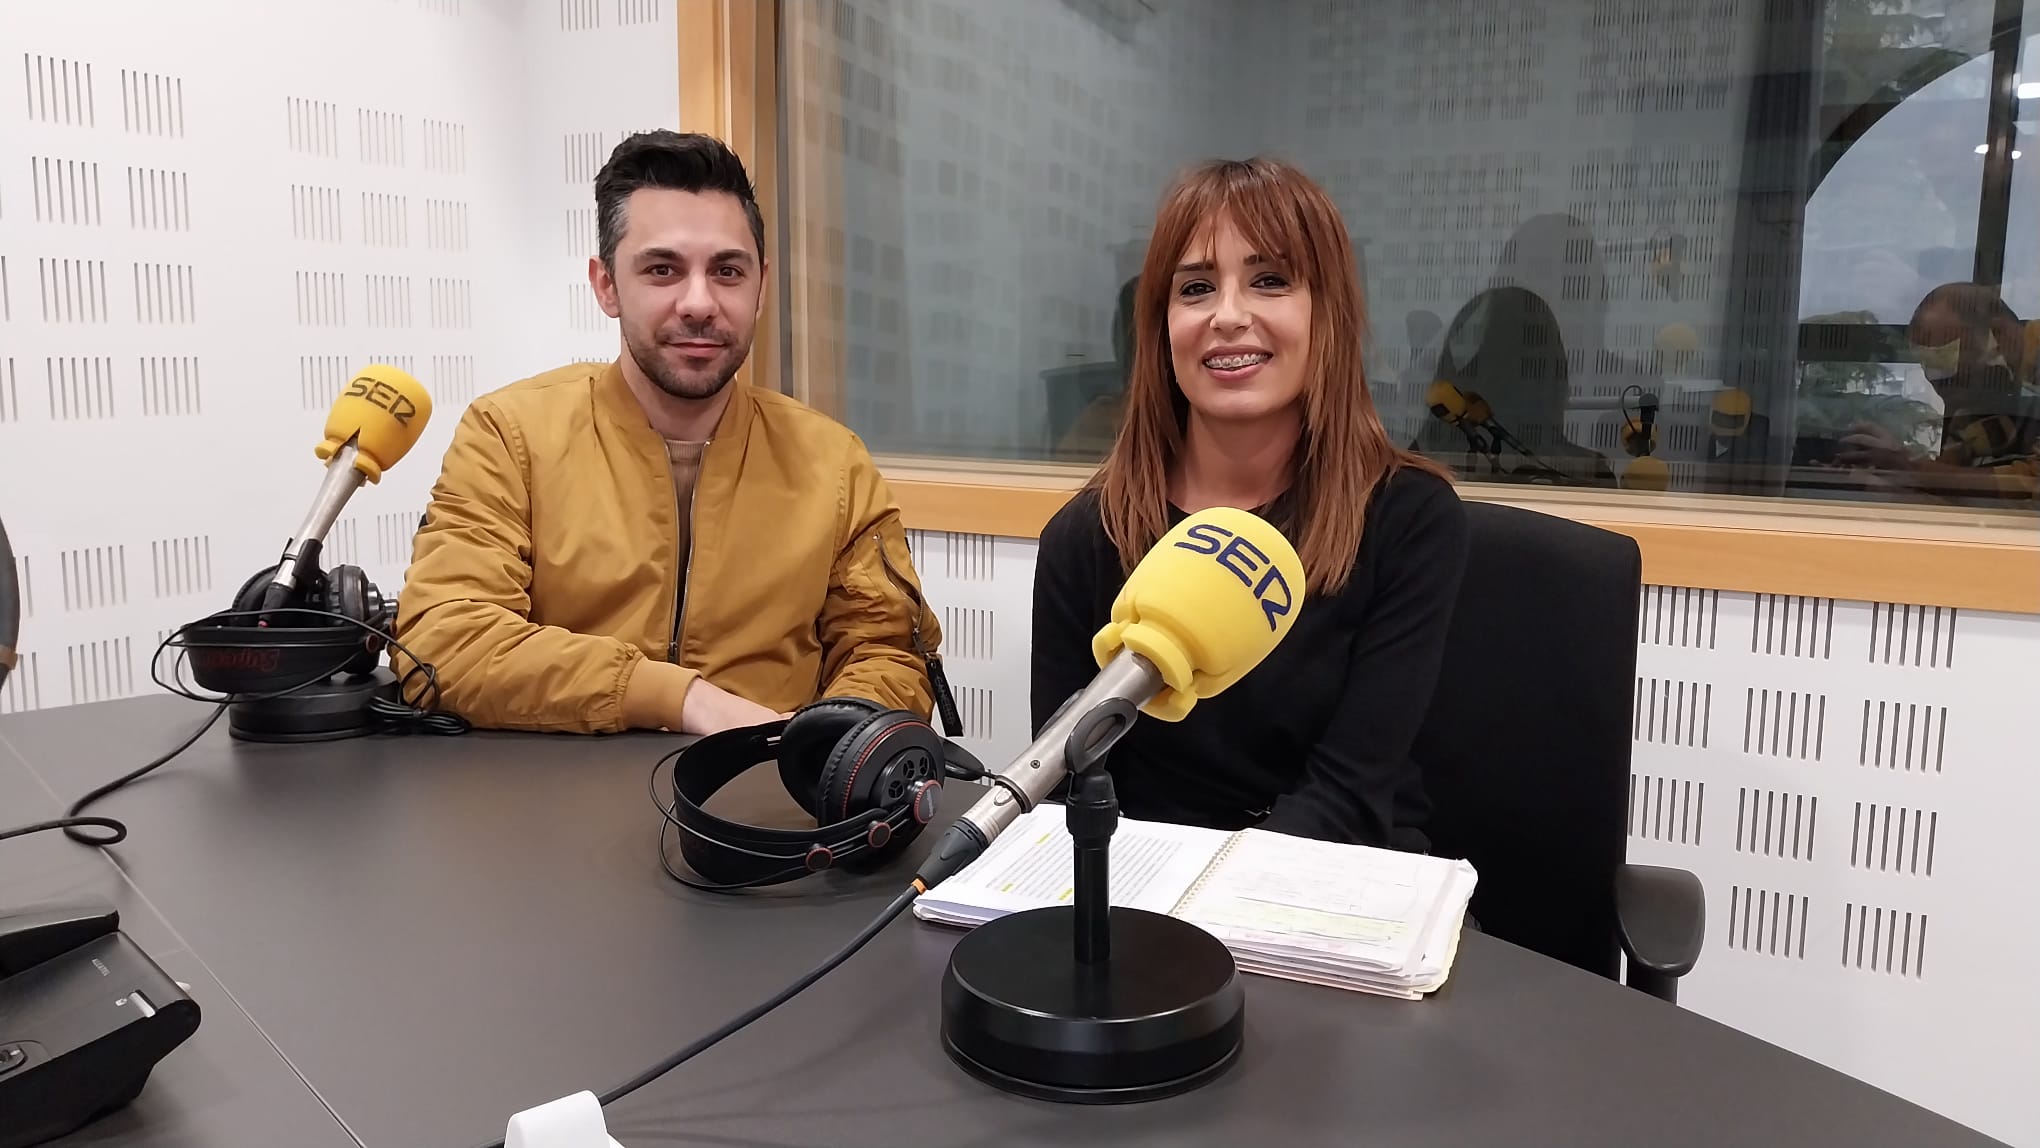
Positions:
{"x": 383, "y": 395}
{"x": 1244, "y": 559}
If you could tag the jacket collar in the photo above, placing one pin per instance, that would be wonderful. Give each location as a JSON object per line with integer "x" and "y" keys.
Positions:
{"x": 614, "y": 399}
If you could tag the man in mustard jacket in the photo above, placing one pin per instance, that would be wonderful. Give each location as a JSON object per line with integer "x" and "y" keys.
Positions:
{"x": 646, "y": 543}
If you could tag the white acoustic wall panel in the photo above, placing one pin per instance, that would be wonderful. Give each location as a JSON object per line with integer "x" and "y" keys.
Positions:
{"x": 1859, "y": 815}
{"x": 631, "y": 45}
{"x": 207, "y": 224}
{"x": 1851, "y": 781}
{"x": 982, "y": 588}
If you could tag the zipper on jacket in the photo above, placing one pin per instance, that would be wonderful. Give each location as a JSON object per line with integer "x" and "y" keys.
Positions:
{"x": 938, "y": 682}
{"x": 686, "y": 571}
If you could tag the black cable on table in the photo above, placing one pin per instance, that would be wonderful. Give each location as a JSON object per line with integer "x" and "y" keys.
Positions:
{"x": 392, "y": 717}
{"x": 899, "y": 905}
{"x": 71, "y": 822}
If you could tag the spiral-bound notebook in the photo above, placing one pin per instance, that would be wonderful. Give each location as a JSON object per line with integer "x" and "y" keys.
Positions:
{"x": 1345, "y": 916}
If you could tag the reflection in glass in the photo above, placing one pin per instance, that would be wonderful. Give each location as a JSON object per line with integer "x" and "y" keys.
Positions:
{"x": 1729, "y": 247}
{"x": 1980, "y": 437}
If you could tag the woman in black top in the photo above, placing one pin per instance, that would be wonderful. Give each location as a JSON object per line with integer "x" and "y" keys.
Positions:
{"x": 1247, "y": 390}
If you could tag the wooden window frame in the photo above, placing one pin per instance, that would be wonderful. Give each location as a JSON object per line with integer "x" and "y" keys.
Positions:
{"x": 730, "y": 86}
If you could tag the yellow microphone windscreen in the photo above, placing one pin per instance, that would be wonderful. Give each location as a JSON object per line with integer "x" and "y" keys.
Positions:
{"x": 1447, "y": 404}
{"x": 1991, "y": 436}
{"x": 1647, "y": 473}
{"x": 1478, "y": 412}
{"x": 1729, "y": 414}
{"x": 1205, "y": 605}
{"x": 1676, "y": 338}
{"x": 383, "y": 410}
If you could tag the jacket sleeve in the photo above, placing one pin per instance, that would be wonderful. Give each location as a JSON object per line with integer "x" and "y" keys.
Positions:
{"x": 466, "y": 603}
{"x": 875, "y": 600}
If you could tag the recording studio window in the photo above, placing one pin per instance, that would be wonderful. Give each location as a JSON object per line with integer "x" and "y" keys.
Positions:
{"x": 1765, "y": 235}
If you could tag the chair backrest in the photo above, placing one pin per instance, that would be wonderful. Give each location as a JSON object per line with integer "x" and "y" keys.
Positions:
{"x": 1525, "y": 748}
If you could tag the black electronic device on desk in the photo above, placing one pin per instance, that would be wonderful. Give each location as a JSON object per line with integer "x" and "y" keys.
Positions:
{"x": 85, "y": 1015}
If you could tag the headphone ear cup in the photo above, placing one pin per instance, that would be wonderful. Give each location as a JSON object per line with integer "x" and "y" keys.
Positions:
{"x": 877, "y": 765}
{"x": 809, "y": 740}
{"x": 349, "y": 594}
{"x": 249, "y": 597}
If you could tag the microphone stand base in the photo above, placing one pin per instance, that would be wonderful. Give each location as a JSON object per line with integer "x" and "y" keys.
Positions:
{"x": 1163, "y": 1016}
{"x": 332, "y": 710}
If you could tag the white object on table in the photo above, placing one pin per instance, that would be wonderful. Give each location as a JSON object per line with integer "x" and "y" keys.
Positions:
{"x": 570, "y": 1122}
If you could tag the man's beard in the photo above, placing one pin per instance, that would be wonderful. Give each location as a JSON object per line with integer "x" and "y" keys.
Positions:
{"x": 689, "y": 385}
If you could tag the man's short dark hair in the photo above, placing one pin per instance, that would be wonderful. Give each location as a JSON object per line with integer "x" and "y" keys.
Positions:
{"x": 675, "y": 161}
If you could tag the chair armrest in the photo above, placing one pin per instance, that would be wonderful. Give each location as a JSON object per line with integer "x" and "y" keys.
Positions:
{"x": 1661, "y": 917}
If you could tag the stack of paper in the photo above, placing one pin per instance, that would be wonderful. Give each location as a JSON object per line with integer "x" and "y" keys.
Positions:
{"x": 1346, "y": 916}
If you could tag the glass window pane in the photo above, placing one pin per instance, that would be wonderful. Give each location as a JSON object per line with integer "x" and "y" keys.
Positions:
{"x": 1723, "y": 220}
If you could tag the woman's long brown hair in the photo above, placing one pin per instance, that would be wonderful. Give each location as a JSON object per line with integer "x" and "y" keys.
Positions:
{"x": 1345, "y": 450}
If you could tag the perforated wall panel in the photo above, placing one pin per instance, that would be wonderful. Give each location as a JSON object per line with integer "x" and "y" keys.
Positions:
{"x": 1850, "y": 780}
{"x": 202, "y": 238}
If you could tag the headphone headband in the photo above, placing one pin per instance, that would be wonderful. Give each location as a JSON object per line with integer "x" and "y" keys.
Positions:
{"x": 717, "y": 759}
{"x": 869, "y": 775}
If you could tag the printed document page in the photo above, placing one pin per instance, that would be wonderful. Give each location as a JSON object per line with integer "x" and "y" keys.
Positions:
{"x": 1031, "y": 866}
{"x": 1361, "y": 908}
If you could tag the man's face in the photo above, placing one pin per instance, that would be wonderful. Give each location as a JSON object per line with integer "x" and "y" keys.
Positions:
{"x": 687, "y": 288}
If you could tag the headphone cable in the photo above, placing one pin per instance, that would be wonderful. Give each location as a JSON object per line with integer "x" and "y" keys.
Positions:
{"x": 117, "y": 832}
{"x": 734, "y": 1024}
{"x": 891, "y": 912}
{"x": 394, "y": 717}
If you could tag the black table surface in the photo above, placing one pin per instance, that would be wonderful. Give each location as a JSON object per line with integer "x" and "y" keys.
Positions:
{"x": 435, "y": 933}
{"x": 224, "y": 1087}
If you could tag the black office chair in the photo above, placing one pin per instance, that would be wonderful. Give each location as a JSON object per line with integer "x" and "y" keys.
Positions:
{"x": 1525, "y": 751}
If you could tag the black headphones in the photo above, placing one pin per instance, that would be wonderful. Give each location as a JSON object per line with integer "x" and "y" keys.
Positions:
{"x": 870, "y": 776}
{"x": 308, "y": 668}
{"x": 344, "y": 590}
{"x": 335, "y": 625}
